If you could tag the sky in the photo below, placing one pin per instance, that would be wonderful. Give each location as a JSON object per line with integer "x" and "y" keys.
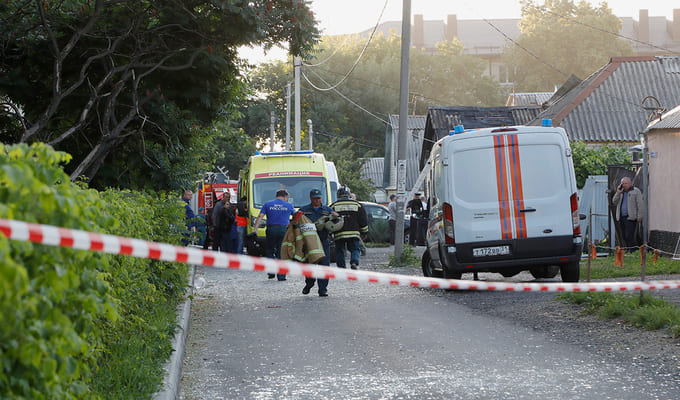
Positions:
{"x": 352, "y": 16}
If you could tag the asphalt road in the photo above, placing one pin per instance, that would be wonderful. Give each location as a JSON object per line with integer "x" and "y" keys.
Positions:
{"x": 254, "y": 338}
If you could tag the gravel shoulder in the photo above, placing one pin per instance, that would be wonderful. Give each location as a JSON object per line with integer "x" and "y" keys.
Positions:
{"x": 568, "y": 323}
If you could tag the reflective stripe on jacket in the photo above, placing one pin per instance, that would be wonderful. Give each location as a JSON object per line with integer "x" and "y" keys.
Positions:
{"x": 301, "y": 243}
{"x": 354, "y": 216}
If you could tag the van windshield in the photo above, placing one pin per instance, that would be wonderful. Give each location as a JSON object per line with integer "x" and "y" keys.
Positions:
{"x": 264, "y": 189}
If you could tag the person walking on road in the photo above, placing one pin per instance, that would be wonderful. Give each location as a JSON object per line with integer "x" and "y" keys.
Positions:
{"x": 315, "y": 211}
{"x": 629, "y": 210}
{"x": 278, "y": 212}
{"x": 355, "y": 226}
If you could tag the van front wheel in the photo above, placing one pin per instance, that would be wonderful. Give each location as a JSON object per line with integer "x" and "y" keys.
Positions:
{"x": 428, "y": 270}
{"x": 570, "y": 272}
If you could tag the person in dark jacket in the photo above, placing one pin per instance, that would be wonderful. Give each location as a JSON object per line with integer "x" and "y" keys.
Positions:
{"x": 225, "y": 220}
{"x": 416, "y": 208}
{"x": 354, "y": 227}
{"x": 315, "y": 210}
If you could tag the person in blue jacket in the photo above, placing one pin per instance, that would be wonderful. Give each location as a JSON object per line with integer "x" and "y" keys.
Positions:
{"x": 278, "y": 212}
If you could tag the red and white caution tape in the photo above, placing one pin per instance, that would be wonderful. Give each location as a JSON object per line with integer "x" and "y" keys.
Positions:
{"x": 83, "y": 240}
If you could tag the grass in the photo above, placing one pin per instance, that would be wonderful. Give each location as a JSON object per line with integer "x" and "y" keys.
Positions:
{"x": 643, "y": 309}
{"x": 135, "y": 365}
{"x": 371, "y": 245}
{"x": 603, "y": 267}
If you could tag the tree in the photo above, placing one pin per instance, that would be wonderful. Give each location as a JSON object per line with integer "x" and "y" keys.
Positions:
{"x": 369, "y": 88}
{"x": 560, "y": 38}
{"x": 594, "y": 161}
{"x": 141, "y": 79}
{"x": 349, "y": 163}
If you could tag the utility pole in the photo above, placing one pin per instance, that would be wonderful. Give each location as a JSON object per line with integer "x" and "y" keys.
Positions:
{"x": 288, "y": 116}
{"x": 403, "y": 127}
{"x": 272, "y": 122}
{"x": 298, "y": 63}
{"x": 311, "y": 133}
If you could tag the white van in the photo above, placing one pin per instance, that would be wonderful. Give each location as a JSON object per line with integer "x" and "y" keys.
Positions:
{"x": 503, "y": 200}
{"x": 333, "y": 180}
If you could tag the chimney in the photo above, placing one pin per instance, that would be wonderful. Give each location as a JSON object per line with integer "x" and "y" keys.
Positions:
{"x": 643, "y": 26}
{"x": 418, "y": 37}
{"x": 674, "y": 26}
{"x": 451, "y": 27}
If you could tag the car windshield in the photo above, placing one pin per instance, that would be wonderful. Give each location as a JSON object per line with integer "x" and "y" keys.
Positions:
{"x": 264, "y": 189}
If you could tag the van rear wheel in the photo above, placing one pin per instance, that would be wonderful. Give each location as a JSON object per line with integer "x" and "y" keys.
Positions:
{"x": 570, "y": 272}
{"x": 428, "y": 269}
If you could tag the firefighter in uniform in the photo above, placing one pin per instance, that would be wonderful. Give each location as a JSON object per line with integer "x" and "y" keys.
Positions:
{"x": 355, "y": 226}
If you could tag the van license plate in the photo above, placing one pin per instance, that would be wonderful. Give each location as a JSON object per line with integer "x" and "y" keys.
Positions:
{"x": 491, "y": 251}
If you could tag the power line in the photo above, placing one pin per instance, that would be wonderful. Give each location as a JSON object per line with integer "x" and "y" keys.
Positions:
{"x": 508, "y": 38}
{"x": 439, "y": 101}
{"x": 606, "y": 31}
{"x": 331, "y": 56}
{"x": 354, "y": 139}
{"x": 304, "y": 75}
{"x": 360, "y": 54}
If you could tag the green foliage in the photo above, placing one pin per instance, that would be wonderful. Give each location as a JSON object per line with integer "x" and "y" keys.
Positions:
{"x": 643, "y": 310}
{"x": 52, "y": 300}
{"x": 603, "y": 267}
{"x": 561, "y": 42}
{"x": 594, "y": 161}
{"x": 347, "y": 157}
{"x": 409, "y": 258}
{"x": 232, "y": 147}
{"x": 130, "y": 89}
{"x": 80, "y": 324}
{"x": 445, "y": 78}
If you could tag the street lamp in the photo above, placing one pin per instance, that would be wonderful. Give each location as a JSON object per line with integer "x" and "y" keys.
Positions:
{"x": 311, "y": 133}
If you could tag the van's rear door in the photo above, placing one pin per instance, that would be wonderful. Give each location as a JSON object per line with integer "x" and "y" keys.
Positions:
{"x": 509, "y": 186}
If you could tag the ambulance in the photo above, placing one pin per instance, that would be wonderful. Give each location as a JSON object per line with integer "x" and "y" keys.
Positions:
{"x": 296, "y": 171}
{"x": 503, "y": 200}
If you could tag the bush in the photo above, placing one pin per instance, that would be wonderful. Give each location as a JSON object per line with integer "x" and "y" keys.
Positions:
{"x": 52, "y": 300}
{"x": 594, "y": 161}
{"x": 66, "y": 314}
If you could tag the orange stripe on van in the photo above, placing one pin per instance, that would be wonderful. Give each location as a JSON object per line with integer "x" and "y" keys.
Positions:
{"x": 516, "y": 174}
{"x": 502, "y": 187}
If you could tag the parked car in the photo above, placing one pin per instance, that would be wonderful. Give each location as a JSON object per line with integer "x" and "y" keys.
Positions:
{"x": 378, "y": 225}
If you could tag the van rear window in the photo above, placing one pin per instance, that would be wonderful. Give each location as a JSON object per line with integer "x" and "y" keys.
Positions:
{"x": 542, "y": 173}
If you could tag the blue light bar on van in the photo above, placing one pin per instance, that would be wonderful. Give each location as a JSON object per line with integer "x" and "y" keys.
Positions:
{"x": 457, "y": 129}
{"x": 547, "y": 122}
